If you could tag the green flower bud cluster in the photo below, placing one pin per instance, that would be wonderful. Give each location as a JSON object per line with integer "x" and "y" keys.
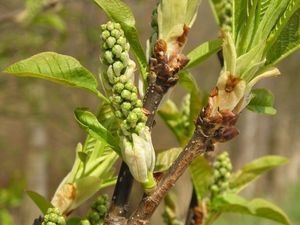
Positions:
{"x": 226, "y": 19}
{"x": 53, "y": 217}
{"x": 222, "y": 172}
{"x": 119, "y": 74}
{"x": 98, "y": 211}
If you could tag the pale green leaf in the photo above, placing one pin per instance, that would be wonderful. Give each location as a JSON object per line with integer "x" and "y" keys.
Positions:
{"x": 57, "y": 68}
{"x": 287, "y": 42}
{"x": 165, "y": 159}
{"x": 119, "y": 12}
{"x": 202, "y": 52}
{"x": 89, "y": 122}
{"x": 201, "y": 173}
{"x": 262, "y": 102}
{"x": 41, "y": 202}
{"x": 86, "y": 187}
{"x": 253, "y": 170}
{"x": 233, "y": 203}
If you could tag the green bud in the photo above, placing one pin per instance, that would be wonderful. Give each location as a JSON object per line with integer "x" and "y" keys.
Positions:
{"x": 139, "y": 127}
{"x": 227, "y": 175}
{"x": 116, "y": 80}
{"x": 215, "y": 188}
{"x": 110, "y": 74}
{"x": 125, "y": 107}
{"x": 117, "y": 99}
{"x": 105, "y": 34}
{"x": 118, "y": 88}
{"x": 94, "y": 216}
{"x": 139, "y": 103}
{"x": 129, "y": 86}
{"x": 110, "y": 25}
{"x": 126, "y": 94}
{"x": 123, "y": 79}
{"x": 117, "y": 26}
{"x": 132, "y": 119}
{"x": 117, "y": 50}
{"x": 118, "y": 67}
{"x": 85, "y": 222}
{"x": 224, "y": 186}
{"x": 133, "y": 97}
{"x": 101, "y": 209}
{"x": 103, "y": 27}
{"x": 122, "y": 42}
{"x": 108, "y": 56}
{"x": 115, "y": 33}
{"x": 223, "y": 171}
{"x": 105, "y": 46}
{"x": 111, "y": 41}
{"x": 217, "y": 164}
{"x": 124, "y": 58}
{"x": 125, "y": 126}
{"x": 217, "y": 174}
{"x": 118, "y": 114}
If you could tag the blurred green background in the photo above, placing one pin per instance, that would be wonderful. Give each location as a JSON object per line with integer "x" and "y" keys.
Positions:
{"x": 38, "y": 134}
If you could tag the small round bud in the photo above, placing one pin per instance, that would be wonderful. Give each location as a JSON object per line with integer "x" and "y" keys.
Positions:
{"x": 85, "y": 222}
{"x": 117, "y": 26}
{"x": 118, "y": 114}
{"x": 122, "y": 42}
{"x": 105, "y": 46}
{"x": 133, "y": 97}
{"x": 125, "y": 126}
{"x": 115, "y": 33}
{"x": 117, "y": 50}
{"x": 123, "y": 79}
{"x": 129, "y": 86}
{"x": 111, "y": 41}
{"x": 110, "y": 25}
{"x": 124, "y": 58}
{"x": 139, "y": 103}
{"x": 126, "y": 94}
{"x": 215, "y": 188}
{"x": 139, "y": 127}
{"x": 115, "y": 80}
{"x": 118, "y": 67}
{"x": 217, "y": 164}
{"x": 108, "y": 56}
{"x": 132, "y": 119}
{"x": 117, "y": 99}
{"x": 223, "y": 171}
{"x": 125, "y": 107}
{"x": 110, "y": 74}
{"x": 102, "y": 210}
{"x": 103, "y": 27}
{"x": 227, "y": 175}
{"x": 118, "y": 88}
{"x": 105, "y": 34}
{"x": 217, "y": 174}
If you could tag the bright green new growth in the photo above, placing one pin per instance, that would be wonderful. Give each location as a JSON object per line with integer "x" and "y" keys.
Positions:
{"x": 118, "y": 72}
{"x": 221, "y": 175}
{"x": 53, "y": 217}
{"x": 98, "y": 211}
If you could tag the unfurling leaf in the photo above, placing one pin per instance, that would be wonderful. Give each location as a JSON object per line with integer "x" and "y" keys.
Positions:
{"x": 201, "y": 173}
{"x": 254, "y": 169}
{"x": 165, "y": 159}
{"x": 233, "y": 203}
{"x": 119, "y": 12}
{"x": 262, "y": 102}
{"x": 89, "y": 122}
{"x": 202, "y": 52}
{"x": 41, "y": 202}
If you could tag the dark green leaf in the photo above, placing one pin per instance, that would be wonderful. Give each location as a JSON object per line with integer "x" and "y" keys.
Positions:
{"x": 287, "y": 42}
{"x": 201, "y": 173}
{"x": 202, "y": 52}
{"x": 254, "y": 169}
{"x": 42, "y": 203}
{"x": 165, "y": 159}
{"x": 257, "y": 207}
{"x": 119, "y": 12}
{"x": 57, "y": 68}
{"x": 88, "y": 121}
{"x": 262, "y": 102}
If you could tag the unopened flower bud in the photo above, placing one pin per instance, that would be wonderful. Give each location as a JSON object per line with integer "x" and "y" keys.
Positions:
{"x": 133, "y": 97}
{"x": 110, "y": 26}
{"x": 138, "y": 103}
{"x": 126, "y": 94}
{"x": 108, "y": 56}
{"x": 111, "y": 41}
{"x": 124, "y": 58}
{"x": 132, "y": 119}
{"x": 118, "y": 114}
{"x": 118, "y": 67}
{"x": 126, "y": 106}
{"x": 118, "y": 88}
{"x": 117, "y": 50}
{"x": 123, "y": 79}
{"x": 122, "y": 42}
{"x": 105, "y": 34}
{"x": 115, "y": 33}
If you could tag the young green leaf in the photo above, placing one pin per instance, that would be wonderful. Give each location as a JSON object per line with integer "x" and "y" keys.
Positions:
{"x": 85, "y": 188}
{"x": 287, "y": 42}
{"x": 262, "y": 102}
{"x": 88, "y": 121}
{"x": 119, "y": 12}
{"x": 253, "y": 170}
{"x": 57, "y": 68}
{"x": 233, "y": 203}
{"x": 203, "y": 52}
{"x": 41, "y": 202}
{"x": 165, "y": 159}
{"x": 173, "y": 118}
{"x": 201, "y": 173}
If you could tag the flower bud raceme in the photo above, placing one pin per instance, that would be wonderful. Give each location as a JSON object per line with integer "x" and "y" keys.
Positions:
{"x": 117, "y": 75}
{"x": 53, "y": 217}
{"x": 221, "y": 175}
